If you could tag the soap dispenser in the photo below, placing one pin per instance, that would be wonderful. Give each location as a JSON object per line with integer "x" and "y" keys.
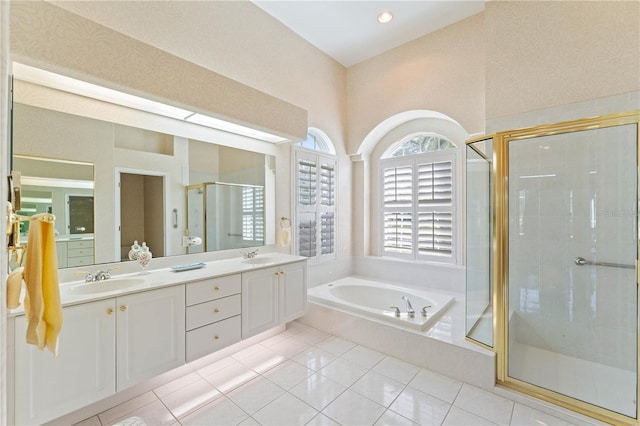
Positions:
{"x": 144, "y": 257}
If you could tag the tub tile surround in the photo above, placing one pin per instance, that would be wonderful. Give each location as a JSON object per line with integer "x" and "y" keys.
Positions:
{"x": 290, "y": 393}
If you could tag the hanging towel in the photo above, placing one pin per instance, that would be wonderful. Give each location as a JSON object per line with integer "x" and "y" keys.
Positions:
{"x": 285, "y": 237}
{"x": 42, "y": 300}
{"x": 14, "y": 287}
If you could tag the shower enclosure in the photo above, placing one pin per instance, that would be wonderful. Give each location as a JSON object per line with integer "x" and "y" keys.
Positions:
{"x": 225, "y": 216}
{"x": 556, "y": 271}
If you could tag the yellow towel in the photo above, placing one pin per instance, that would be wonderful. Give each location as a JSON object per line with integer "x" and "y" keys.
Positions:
{"x": 285, "y": 237}
{"x": 14, "y": 287}
{"x": 42, "y": 301}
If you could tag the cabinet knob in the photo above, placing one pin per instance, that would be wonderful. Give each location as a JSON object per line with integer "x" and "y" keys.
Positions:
{"x": 216, "y": 337}
{"x": 216, "y": 288}
{"x": 109, "y": 311}
{"x": 216, "y": 311}
{"x": 277, "y": 273}
{"x": 123, "y": 308}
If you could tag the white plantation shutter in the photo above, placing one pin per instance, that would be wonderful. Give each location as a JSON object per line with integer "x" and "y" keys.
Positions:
{"x": 435, "y": 183}
{"x": 253, "y": 214}
{"x": 315, "y": 207}
{"x": 418, "y": 206}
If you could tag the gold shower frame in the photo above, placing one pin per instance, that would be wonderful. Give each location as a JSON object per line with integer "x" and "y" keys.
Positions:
{"x": 500, "y": 257}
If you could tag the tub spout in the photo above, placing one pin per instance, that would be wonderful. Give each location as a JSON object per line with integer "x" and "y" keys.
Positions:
{"x": 410, "y": 311}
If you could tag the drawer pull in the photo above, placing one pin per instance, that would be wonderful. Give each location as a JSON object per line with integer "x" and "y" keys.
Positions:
{"x": 216, "y": 288}
{"x": 216, "y": 311}
{"x": 216, "y": 337}
{"x": 123, "y": 308}
{"x": 109, "y": 311}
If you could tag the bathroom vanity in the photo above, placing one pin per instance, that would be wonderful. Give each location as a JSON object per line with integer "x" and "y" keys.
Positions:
{"x": 121, "y": 331}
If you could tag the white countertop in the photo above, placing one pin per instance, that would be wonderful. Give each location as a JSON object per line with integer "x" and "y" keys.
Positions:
{"x": 165, "y": 277}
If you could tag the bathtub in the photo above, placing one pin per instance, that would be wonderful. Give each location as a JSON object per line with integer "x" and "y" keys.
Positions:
{"x": 374, "y": 300}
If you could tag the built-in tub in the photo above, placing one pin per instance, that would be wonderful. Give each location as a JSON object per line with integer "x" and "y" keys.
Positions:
{"x": 375, "y": 300}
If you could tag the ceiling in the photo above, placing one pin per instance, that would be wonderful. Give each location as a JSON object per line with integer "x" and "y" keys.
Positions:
{"x": 349, "y": 31}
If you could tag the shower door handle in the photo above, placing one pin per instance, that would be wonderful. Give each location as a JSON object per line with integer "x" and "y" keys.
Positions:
{"x": 581, "y": 261}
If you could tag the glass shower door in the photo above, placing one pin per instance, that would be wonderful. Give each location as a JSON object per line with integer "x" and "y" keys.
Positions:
{"x": 573, "y": 241}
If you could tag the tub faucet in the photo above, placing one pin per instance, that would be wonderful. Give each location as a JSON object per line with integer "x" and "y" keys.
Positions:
{"x": 410, "y": 311}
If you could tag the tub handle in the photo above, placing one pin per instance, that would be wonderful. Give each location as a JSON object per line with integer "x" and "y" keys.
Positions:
{"x": 397, "y": 310}
{"x": 424, "y": 310}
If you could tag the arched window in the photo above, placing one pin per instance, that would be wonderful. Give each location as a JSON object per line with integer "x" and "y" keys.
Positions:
{"x": 315, "y": 197}
{"x": 417, "y": 193}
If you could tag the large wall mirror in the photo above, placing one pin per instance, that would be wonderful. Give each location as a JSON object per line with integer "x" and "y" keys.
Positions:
{"x": 109, "y": 182}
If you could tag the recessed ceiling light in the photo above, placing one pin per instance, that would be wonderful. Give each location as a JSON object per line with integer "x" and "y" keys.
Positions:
{"x": 385, "y": 17}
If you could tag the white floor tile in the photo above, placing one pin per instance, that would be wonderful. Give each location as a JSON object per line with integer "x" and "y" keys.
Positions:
{"x": 389, "y": 418}
{"x": 458, "y": 417}
{"x": 364, "y": 356}
{"x": 351, "y": 408}
{"x": 396, "y": 369}
{"x": 312, "y": 336}
{"x": 191, "y": 397}
{"x": 249, "y": 352}
{"x": 288, "y": 374}
{"x": 217, "y": 366}
{"x": 123, "y": 410}
{"x": 336, "y": 345}
{"x": 250, "y": 421}
{"x": 322, "y": 420}
{"x": 437, "y": 385}
{"x": 176, "y": 384}
{"x": 421, "y": 408}
{"x": 152, "y": 414}
{"x": 286, "y": 410}
{"x": 221, "y": 411}
{"x": 263, "y": 361}
{"x": 484, "y": 404}
{"x": 317, "y": 390}
{"x": 231, "y": 377}
{"x": 256, "y": 394}
{"x": 378, "y": 388}
{"x": 314, "y": 358}
{"x": 344, "y": 372}
{"x": 290, "y": 347}
{"x": 523, "y": 415}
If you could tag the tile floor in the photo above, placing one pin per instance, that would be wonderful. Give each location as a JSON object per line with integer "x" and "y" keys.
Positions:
{"x": 304, "y": 376}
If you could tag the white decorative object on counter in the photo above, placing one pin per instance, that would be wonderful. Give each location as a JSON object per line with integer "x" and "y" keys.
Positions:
{"x": 144, "y": 257}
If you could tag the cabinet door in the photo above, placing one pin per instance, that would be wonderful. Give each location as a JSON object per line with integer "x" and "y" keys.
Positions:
{"x": 259, "y": 301}
{"x": 82, "y": 373}
{"x": 151, "y": 334}
{"x": 293, "y": 291}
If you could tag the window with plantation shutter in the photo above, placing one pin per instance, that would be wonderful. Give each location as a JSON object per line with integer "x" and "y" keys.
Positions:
{"x": 417, "y": 193}
{"x": 253, "y": 214}
{"x": 315, "y": 209}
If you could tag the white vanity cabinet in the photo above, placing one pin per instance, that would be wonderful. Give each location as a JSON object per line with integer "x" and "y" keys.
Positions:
{"x": 150, "y": 334}
{"x": 104, "y": 347}
{"x": 83, "y": 372}
{"x": 213, "y": 315}
{"x": 271, "y": 296}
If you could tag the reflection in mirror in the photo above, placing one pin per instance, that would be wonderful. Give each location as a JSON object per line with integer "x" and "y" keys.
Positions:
{"x": 65, "y": 189}
{"x": 224, "y": 216}
{"x": 55, "y": 124}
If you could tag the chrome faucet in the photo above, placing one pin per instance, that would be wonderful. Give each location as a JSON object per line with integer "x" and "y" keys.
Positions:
{"x": 410, "y": 311}
{"x": 250, "y": 254}
{"x": 98, "y": 276}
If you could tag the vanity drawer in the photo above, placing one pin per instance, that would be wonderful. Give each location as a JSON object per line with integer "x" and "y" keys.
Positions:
{"x": 215, "y": 310}
{"x": 80, "y": 261}
{"x": 210, "y": 338}
{"x": 80, "y": 252}
{"x": 214, "y": 288}
{"x": 80, "y": 244}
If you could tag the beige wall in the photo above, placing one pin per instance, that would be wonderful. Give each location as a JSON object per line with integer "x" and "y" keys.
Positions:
{"x": 442, "y": 71}
{"x": 542, "y": 54}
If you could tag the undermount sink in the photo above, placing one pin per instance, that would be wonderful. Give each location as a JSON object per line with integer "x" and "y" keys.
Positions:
{"x": 259, "y": 260}
{"x": 103, "y": 286}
